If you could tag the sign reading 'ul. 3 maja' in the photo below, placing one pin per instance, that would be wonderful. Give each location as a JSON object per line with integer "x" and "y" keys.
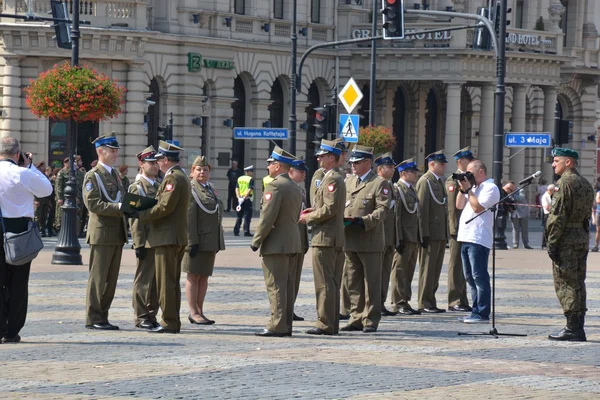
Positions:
{"x": 196, "y": 62}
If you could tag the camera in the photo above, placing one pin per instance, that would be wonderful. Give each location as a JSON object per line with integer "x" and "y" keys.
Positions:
{"x": 22, "y": 158}
{"x": 466, "y": 176}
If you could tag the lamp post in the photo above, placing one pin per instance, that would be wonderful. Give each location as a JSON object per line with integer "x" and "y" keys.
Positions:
{"x": 373, "y": 65}
{"x": 68, "y": 249}
{"x": 294, "y": 38}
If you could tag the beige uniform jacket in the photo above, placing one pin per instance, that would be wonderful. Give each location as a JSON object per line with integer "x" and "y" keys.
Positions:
{"x": 107, "y": 224}
{"x": 205, "y": 218}
{"x": 315, "y": 183}
{"x": 302, "y": 228}
{"x": 369, "y": 200}
{"x": 453, "y": 212}
{"x": 277, "y": 230}
{"x": 139, "y": 230}
{"x": 433, "y": 203}
{"x": 408, "y": 221}
{"x": 327, "y": 219}
{"x": 390, "y": 227}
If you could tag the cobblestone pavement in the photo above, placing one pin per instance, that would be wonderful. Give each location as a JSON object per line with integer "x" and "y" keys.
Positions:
{"x": 409, "y": 357}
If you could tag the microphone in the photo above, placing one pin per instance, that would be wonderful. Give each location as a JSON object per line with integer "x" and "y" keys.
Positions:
{"x": 528, "y": 180}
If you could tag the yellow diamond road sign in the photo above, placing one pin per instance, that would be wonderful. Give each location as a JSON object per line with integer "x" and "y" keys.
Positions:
{"x": 350, "y": 95}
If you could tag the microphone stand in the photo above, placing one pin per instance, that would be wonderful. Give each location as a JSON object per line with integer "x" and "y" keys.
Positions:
{"x": 494, "y": 332}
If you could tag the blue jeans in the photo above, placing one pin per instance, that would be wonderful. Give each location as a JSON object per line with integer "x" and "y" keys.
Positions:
{"x": 475, "y": 267}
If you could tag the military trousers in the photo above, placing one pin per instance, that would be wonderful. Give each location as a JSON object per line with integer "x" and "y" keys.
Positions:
{"x": 105, "y": 263}
{"x": 41, "y": 214}
{"x": 363, "y": 276}
{"x": 386, "y": 271}
{"x": 430, "y": 268}
{"x": 167, "y": 261}
{"x": 279, "y": 271}
{"x": 344, "y": 293}
{"x": 145, "y": 294}
{"x": 328, "y": 264}
{"x": 403, "y": 271}
{"x": 457, "y": 285}
{"x": 569, "y": 279}
{"x": 297, "y": 261}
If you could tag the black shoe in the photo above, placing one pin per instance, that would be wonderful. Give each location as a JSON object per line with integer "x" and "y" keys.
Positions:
{"x": 528, "y": 247}
{"x": 236, "y": 234}
{"x": 432, "y": 310}
{"x": 573, "y": 332}
{"x": 369, "y": 329}
{"x": 248, "y": 234}
{"x": 103, "y": 326}
{"x": 205, "y": 321}
{"x": 113, "y": 327}
{"x": 318, "y": 331}
{"x": 408, "y": 310}
{"x": 43, "y": 234}
{"x": 350, "y": 328}
{"x": 162, "y": 329}
{"x": 387, "y": 313}
{"x": 11, "y": 339}
{"x": 344, "y": 317}
{"x": 145, "y": 325}
{"x": 268, "y": 333}
{"x": 227, "y": 210}
{"x": 460, "y": 308}
{"x": 297, "y": 318}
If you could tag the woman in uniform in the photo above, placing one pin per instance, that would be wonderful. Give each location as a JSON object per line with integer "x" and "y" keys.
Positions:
{"x": 205, "y": 239}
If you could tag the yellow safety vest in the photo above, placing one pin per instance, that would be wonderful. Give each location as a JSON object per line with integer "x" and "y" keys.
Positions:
{"x": 244, "y": 184}
{"x": 266, "y": 180}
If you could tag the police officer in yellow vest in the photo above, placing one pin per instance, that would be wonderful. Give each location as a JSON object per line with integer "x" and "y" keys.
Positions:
{"x": 245, "y": 193}
{"x": 106, "y": 234}
{"x": 145, "y": 295}
{"x": 168, "y": 234}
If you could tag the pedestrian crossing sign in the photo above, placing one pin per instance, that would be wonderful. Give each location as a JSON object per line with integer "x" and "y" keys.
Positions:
{"x": 349, "y": 127}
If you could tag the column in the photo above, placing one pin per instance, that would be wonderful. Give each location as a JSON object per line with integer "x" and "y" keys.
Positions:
{"x": 135, "y": 137}
{"x": 11, "y": 113}
{"x": 590, "y": 31}
{"x": 452, "y": 134}
{"x": 486, "y": 127}
{"x": 549, "y": 126}
{"x": 517, "y": 160}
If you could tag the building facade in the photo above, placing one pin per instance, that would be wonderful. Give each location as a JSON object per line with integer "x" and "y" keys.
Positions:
{"x": 209, "y": 66}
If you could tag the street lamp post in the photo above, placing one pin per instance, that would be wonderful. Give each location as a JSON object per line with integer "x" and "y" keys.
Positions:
{"x": 294, "y": 38}
{"x": 68, "y": 249}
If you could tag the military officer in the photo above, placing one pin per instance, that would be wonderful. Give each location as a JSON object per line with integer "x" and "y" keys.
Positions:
{"x": 434, "y": 222}
{"x": 278, "y": 238}
{"x": 567, "y": 236}
{"x": 169, "y": 239}
{"x": 107, "y": 232}
{"x": 145, "y": 295}
{"x": 327, "y": 221}
{"x": 408, "y": 227}
{"x": 385, "y": 169}
{"x": 318, "y": 174}
{"x": 457, "y": 285}
{"x": 42, "y": 206}
{"x": 367, "y": 203}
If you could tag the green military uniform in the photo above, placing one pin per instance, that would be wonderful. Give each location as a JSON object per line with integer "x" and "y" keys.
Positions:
{"x": 42, "y": 209}
{"x": 367, "y": 202}
{"x": 278, "y": 238}
{"x": 145, "y": 294}
{"x": 107, "y": 232}
{"x": 168, "y": 237}
{"x": 59, "y": 191}
{"x": 567, "y": 236}
{"x": 434, "y": 222}
{"x": 315, "y": 183}
{"x": 408, "y": 227}
{"x": 327, "y": 222}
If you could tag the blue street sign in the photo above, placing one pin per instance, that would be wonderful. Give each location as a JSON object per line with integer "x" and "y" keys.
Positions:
{"x": 349, "y": 124}
{"x": 528, "y": 139}
{"x": 261, "y": 133}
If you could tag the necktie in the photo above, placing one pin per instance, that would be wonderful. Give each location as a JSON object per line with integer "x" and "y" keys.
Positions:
{"x": 358, "y": 182}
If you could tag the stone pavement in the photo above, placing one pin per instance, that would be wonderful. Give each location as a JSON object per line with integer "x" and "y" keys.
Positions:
{"x": 408, "y": 358}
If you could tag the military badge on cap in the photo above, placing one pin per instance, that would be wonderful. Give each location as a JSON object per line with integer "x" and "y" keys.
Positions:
{"x": 148, "y": 154}
{"x": 108, "y": 140}
{"x": 385, "y": 159}
{"x": 438, "y": 156}
{"x": 201, "y": 161}
{"x": 329, "y": 146}
{"x": 360, "y": 153}
{"x": 340, "y": 144}
{"x": 407, "y": 165}
{"x": 564, "y": 152}
{"x": 281, "y": 156}
{"x": 464, "y": 153}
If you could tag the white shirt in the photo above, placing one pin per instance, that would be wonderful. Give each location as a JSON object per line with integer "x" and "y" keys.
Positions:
{"x": 18, "y": 187}
{"x": 546, "y": 202}
{"x": 106, "y": 167}
{"x": 481, "y": 229}
{"x": 406, "y": 183}
{"x": 150, "y": 181}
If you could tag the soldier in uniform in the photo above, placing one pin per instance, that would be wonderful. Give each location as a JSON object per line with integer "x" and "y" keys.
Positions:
{"x": 367, "y": 203}
{"x": 59, "y": 190}
{"x": 327, "y": 221}
{"x": 107, "y": 232}
{"x": 567, "y": 236}
{"x": 434, "y": 222}
{"x": 42, "y": 205}
{"x": 457, "y": 285}
{"x": 245, "y": 193}
{"x": 318, "y": 174}
{"x": 145, "y": 295}
{"x": 385, "y": 169}
{"x": 408, "y": 227}
{"x": 278, "y": 238}
{"x": 168, "y": 234}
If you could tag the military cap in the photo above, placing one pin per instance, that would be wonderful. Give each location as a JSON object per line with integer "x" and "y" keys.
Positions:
{"x": 67, "y": 159}
{"x": 341, "y": 144}
{"x": 360, "y": 153}
{"x": 108, "y": 140}
{"x": 168, "y": 148}
{"x": 407, "y": 165}
{"x": 437, "y": 156}
{"x": 329, "y": 146}
{"x": 249, "y": 168}
{"x": 564, "y": 152}
{"x": 201, "y": 161}
{"x": 281, "y": 155}
{"x": 148, "y": 154}
{"x": 300, "y": 165}
{"x": 464, "y": 153}
{"x": 385, "y": 159}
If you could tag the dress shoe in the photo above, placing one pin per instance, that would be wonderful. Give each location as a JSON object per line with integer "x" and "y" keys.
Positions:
{"x": 460, "y": 308}
{"x": 103, "y": 326}
{"x": 409, "y": 311}
{"x": 236, "y": 234}
{"x": 515, "y": 246}
{"x": 248, "y": 234}
{"x": 318, "y": 331}
{"x": 350, "y": 328}
{"x": 297, "y": 318}
{"x": 113, "y": 327}
{"x": 11, "y": 339}
{"x": 432, "y": 310}
{"x": 268, "y": 333}
{"x": 369, "y": 329}
{"x": 528, "y": 247}
{"x": 204, "y": 321}
{"x": 387, "y": 313}
{"x": 145, "y": 325}
{"x": 162, "y": 329}
{"x": 344, "y": 317}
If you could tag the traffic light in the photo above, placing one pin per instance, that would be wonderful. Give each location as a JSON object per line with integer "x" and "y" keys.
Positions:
{"x": 483, "y": 39}
{"x": 321, "y": 123}
{"x": 62, "y": 29}
{"x": 496, "y": 18}
{"x": 393, "y": 19}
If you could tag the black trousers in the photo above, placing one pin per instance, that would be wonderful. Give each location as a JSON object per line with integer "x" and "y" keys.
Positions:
{"x": 232, "y": 202}
{"x": 246, "y": 214}
{"x": 14, "y": 282}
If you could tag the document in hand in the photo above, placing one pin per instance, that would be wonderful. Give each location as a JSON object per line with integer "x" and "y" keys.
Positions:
{"x": 134, "y": 202}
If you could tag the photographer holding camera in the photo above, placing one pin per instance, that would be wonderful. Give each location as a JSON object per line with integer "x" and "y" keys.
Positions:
{"x": 477, "y": 237}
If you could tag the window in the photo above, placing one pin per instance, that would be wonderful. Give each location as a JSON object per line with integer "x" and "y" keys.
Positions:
{"x": 315, "y": 11}
{"x": 278, "y": 9}
{"x": 239, "y": 7}
{"x": 519, "y": 15}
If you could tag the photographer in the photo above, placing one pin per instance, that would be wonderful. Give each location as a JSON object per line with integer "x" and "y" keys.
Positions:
{"x": 477, "y": 237}
{"x": 19, "y": 185}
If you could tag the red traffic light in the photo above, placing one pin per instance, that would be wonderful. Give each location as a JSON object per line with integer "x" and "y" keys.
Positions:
{"x": 390, "y": 1}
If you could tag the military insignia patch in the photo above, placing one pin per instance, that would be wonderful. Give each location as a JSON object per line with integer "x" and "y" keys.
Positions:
{"x": 88, "y": 186}
{"x": 451, "y": 188}
{"x": 268, "y": 196}
{"x": 318, "y": 183}
{"x": 386, "y": 191}
{"x": 169, "y": 187}
{"x": 331, "y": 188}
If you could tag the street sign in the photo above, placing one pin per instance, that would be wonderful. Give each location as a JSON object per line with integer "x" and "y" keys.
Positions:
{"x": 349, "y": 124}
{"x": 350, "y": 95}
{"x": 261, "y": 133}
{"x": 528, "y": 139}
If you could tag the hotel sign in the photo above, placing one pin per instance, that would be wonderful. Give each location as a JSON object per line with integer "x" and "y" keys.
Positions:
{"x": 409, "y": 34}
{"x": 196, "y": 62}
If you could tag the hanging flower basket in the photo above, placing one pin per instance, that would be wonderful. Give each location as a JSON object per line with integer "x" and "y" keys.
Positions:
{"x": 81, "y": 93}
{"x": 379, "y": 137}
